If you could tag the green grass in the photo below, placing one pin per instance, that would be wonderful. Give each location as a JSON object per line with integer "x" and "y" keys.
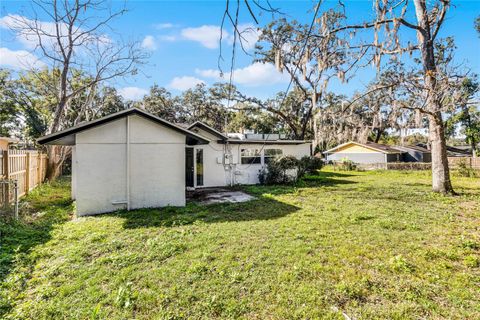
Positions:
{"x": 373, "y": 245}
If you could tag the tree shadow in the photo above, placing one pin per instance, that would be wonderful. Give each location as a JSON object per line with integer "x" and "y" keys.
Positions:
{"x": 322, "y": 179}
{"x": 45, "y": 207}
{"x": 262, "y": 208}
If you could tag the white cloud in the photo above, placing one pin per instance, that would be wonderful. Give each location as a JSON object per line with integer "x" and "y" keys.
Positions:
{"x": 149, "y": 43}
{"x": 250, "y": 35}
{"x": 161, "y": 26}
{"x": 132, "y": 93}
{"x": 207, "y": 35}
{"x": 184, "y": 83}
{"x": 254, "y": 75}
{"x": 20, "y": 59}
{"x": 167, "y": 38}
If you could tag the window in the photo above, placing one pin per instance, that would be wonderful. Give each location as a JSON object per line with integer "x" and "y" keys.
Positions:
{"x": 272, "y": 154}
{"x": 250, "y": 156}
{"x": 199, "y": 165}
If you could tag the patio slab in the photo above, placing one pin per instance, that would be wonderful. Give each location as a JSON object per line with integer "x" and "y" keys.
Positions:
{"x": 218, "y": 195}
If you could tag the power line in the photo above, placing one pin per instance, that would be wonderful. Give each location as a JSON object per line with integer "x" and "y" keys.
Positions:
{"x": 296, "y": 68}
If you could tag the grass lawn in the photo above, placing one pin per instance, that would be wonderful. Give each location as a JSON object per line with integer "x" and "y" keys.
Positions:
{"x": 373, "y": 245}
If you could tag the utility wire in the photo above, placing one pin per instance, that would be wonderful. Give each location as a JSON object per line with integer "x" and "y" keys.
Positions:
{"x": 296, "y": 68}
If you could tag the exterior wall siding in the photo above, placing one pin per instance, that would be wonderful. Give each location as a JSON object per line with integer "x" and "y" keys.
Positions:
{"x": 377, "y": 157}
{"x": 218, "y": 175}
{"x": 157, "y": 166}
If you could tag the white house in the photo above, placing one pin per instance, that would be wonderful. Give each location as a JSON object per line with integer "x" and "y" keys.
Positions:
{"x": 133, "y": 159}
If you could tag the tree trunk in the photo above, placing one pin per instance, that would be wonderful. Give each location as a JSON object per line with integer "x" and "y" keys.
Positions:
{"x": 440, "y": 170}
{"x": 54, "y": 163}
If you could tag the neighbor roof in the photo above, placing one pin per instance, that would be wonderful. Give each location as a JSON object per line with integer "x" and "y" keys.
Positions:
{"x": 249, "y": 141}
{"x": 370, "y": 145}
{"x": 68, "y": 135}
{"x": 416, "y": 148}
{"x": 199, "y": 124}
{"x": 9, "y": 140}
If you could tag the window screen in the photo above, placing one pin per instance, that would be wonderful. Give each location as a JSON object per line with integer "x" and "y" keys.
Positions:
{"x": 250, "y": 156}
{"x": 272, "y": 154}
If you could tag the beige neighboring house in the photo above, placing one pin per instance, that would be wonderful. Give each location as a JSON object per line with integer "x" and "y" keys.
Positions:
{"x": 363, "y": 153}
{"x": 6, "y": 141}
{"x": 133, "y": 159}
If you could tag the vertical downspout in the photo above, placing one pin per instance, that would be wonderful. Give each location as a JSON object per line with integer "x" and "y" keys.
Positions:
{"x": 128, "y": 163}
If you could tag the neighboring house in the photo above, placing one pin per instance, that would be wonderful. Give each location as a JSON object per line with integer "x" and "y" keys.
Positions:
{"x": 132, "y": 159}
{"x": 457, "y": 151}
{"x": 6, "y": 141}
{"x": 364, "y": 153}
{"x": 415, "y": 154}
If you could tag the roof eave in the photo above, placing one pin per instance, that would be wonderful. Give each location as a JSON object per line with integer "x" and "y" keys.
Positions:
{"x": 74, "y": 130}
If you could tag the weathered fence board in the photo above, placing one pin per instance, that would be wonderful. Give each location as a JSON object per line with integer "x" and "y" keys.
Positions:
{"x": 27, "y": 167}
{"x": 469, "y": 162}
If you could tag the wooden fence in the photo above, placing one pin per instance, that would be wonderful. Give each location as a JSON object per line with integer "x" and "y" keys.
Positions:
{"x": 469, "y": 162}
{"x": 27, "y": 167}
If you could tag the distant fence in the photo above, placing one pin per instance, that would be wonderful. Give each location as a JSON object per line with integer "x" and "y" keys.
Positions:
{"x": 25, "y": 167}
{"x": 453, "y": 163}
{"x": 395, "y": 166}
{"x": 471, "y": 162}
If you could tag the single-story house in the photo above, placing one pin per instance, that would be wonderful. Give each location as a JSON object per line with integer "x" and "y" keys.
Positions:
{"x": 415, "y": 154}
{"x": 364, "y": 153}
{"x": 133, "y": 159}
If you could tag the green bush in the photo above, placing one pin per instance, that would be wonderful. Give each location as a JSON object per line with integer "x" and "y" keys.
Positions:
{"x": 347, "y": 165}
{"x": 277, "y": 171}
{"x": 309, "y": 165}
{"x": 464, "y": 170}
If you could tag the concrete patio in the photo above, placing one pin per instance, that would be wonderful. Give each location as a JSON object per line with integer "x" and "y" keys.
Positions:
{"x": 217, "y": 195}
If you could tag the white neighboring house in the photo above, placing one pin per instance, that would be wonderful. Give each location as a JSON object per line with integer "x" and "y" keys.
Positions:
{"x": 133, "y": 159}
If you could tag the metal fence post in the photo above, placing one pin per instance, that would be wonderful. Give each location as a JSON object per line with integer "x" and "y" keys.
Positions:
{"x": 15, "y": 186}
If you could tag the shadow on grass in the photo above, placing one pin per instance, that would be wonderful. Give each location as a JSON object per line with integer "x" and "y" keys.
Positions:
{"x": 40, "y": 211}
{"x": 323, "y": 179}
{"x": 262, "y": 208}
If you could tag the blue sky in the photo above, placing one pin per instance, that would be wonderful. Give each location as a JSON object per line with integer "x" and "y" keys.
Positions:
{"x": 182, "y": 38}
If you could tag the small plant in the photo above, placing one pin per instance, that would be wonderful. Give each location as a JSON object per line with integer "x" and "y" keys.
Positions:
{"x": 464, "y": 170}
{"x": 124, "y": 298}
{"x": 400, "y": 264}
{"x": 347, "y": 165}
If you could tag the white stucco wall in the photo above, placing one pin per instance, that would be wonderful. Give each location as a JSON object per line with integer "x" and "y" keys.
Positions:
{"x": 216, "y": 174}
{"x": 74, "y": 173}
{"x": 156, "y": 161}
{"x": 248, "y": 173}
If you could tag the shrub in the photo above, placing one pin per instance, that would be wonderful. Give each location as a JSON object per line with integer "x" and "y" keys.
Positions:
{"x": 288, "y": 169}
{"x": 309, "y": 165}
{"x": 464, "y": 170}
{"x": 347, "y": 165}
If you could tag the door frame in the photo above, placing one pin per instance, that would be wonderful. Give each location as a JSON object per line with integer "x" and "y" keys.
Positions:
{"x": 193, "y": 184}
